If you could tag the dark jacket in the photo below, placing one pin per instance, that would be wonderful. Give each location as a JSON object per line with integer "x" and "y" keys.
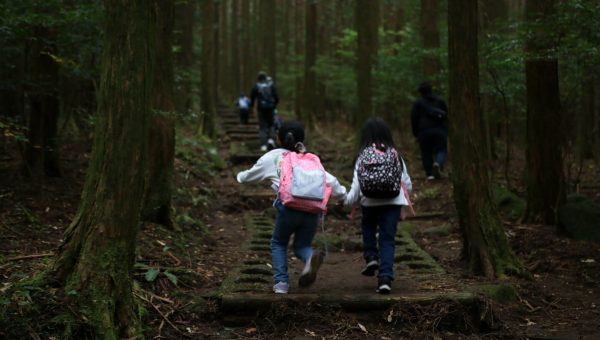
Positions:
{"x": 420, "y": 117}
{"x": 255, "y": 94}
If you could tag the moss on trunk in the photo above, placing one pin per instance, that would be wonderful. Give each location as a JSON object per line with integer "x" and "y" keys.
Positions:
{"x": 485, "y": 247}
{"x": 96, "y": 258}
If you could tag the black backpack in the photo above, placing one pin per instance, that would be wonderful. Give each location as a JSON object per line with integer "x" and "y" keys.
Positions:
{"x": 379, "y": 172}
{"x": 266, "y": 96}
{"x": 436, "y": 113}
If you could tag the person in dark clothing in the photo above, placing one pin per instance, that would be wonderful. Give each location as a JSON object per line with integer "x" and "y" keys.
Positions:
{"x": 265, "y": 94}
{"x": 429, "y": 119}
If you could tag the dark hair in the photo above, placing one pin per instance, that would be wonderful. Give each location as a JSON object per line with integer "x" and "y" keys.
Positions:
{"x": 375, "y": 131}
{"x": 262, "y": 76}
{"x": 290, "y": 134}
{"x": 425, "y": 89}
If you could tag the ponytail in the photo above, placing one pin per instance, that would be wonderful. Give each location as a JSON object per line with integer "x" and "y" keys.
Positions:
{"x": 291, "y": 136}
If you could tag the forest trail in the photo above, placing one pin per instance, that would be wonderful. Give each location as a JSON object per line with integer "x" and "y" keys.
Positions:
{"x": 247, "y": 288}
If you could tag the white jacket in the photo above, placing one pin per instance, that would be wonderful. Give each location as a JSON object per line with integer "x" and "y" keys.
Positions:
{"x": 355, "y": 194}
{"x": 267, "y": 167}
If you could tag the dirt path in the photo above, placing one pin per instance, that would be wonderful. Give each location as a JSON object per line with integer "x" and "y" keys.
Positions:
{"x": 214, "y": 277}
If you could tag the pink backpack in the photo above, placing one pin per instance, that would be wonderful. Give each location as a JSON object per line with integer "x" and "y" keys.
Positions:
{"x": 303, "y": 184}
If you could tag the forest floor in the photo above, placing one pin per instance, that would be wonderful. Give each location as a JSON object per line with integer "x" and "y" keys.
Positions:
{"x": 199, "y": 282}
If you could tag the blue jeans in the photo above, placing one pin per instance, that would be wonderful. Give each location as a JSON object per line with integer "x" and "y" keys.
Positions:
{"x": 287, "y": 222}
{"x": 386, "y": 218}
{"x": 433, "y": 141}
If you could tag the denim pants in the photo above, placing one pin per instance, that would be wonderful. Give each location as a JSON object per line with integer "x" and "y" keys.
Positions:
{"x": 433, "y": 141}
{"x": 266, "y": 125}
{"x": 287, "y": 222}
{"x": 383, "y": 218}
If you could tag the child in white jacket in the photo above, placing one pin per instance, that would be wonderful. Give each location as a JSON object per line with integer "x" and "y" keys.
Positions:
{"x": 290, "y": 221}
{"x": 379, "y": 215}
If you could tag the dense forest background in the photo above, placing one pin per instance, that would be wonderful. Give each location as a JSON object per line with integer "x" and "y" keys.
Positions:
{"x": 129, "y": 80}
{"x": 316, "y": 55}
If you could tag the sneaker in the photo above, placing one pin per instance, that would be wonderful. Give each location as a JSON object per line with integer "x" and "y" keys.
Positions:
{"x": 271, "y": 144}
{"x": 281, "y": 288}
{"x": 384, "y": 286}
{"x": 263, "y": 148}
{"x": 430, "y": 178}
{"x": 309, "y": 273}
{"x": 437, "y": 172}
{"x": 370, "y": 268}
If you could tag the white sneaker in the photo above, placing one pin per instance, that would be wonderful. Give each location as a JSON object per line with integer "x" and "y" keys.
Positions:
{"x": 281, "y": 288}
{"x": 430, "y": 178}
{"x": 263, "y": 148}
{"x": 271, "y": 144}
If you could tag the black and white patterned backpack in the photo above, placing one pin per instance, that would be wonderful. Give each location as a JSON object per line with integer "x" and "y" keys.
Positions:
{"x": 379, "y": 172}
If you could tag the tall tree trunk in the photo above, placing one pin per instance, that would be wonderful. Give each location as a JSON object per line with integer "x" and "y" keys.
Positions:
{"x": 430, "y": 34}
{"x": 184, "y": 26}
{"x": 367, "y": 25}
{"x": 299, "y": 52}
{"x": 41, "y": 153}
{"x": 245, "y": 39}
{"x": 309, "y": 93}
{"x": 545, "y": 178}
{"x": 236, "y": 84}
{"x": 157, "y": 198}
{"x": 208, "y": 84}
{"x": 489, "y": 13}
{"x": 286, "y": 25}
{"x": 97, "y": 255}
{"x": 224, "y": 51}
{"x": 585, "y": 142}
{"x": 216, "y": 59}
{"x": 485, "y": 247}
{"x": 268, "y": 34}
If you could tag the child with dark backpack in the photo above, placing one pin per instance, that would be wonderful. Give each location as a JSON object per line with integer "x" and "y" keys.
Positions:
{"x": 381, "y": 183}
{"x": 303, "y": 189}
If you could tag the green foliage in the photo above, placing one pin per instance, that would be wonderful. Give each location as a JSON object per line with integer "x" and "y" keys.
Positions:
{"x": 499, "y": 292}
{"x": 511, "y": 206}
{"x": 151, "y": 274}
{"x": 10, "y": 128}
{"x": 77, "y": 28}
{"x": 579, "y": 218}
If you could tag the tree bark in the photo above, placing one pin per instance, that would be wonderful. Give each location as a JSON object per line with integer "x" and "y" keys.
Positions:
{"x": 299, "y": 49}
{"x": 208, "y": 66}
{"x": 224, "y": 51}
{"x": 430, "y": 34}
{"x": 367, "y": 25}
{"x": 545, "y": 178}
{"x": 157, "y": 199}
{"x": 268, "y": 33}
{"x": 41, "y": 152}
{"x": 309, "y": 94}
{"x": 245, "y": 39}
{"x": 586, "y": 119}
{"x": 485, "y": 247}
{"x": 96, "y": 258}
{"x": 236, "y": 84}
{"x": 184, "y": 26}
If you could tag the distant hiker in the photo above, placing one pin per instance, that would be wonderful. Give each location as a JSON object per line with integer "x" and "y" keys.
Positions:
{"x": 429, "y": 118}
{"x": 243, "y": 105}
{"x": 265, "y": 93}
{"x": 381, "y": 183}
{"x": 303, "y": 188}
